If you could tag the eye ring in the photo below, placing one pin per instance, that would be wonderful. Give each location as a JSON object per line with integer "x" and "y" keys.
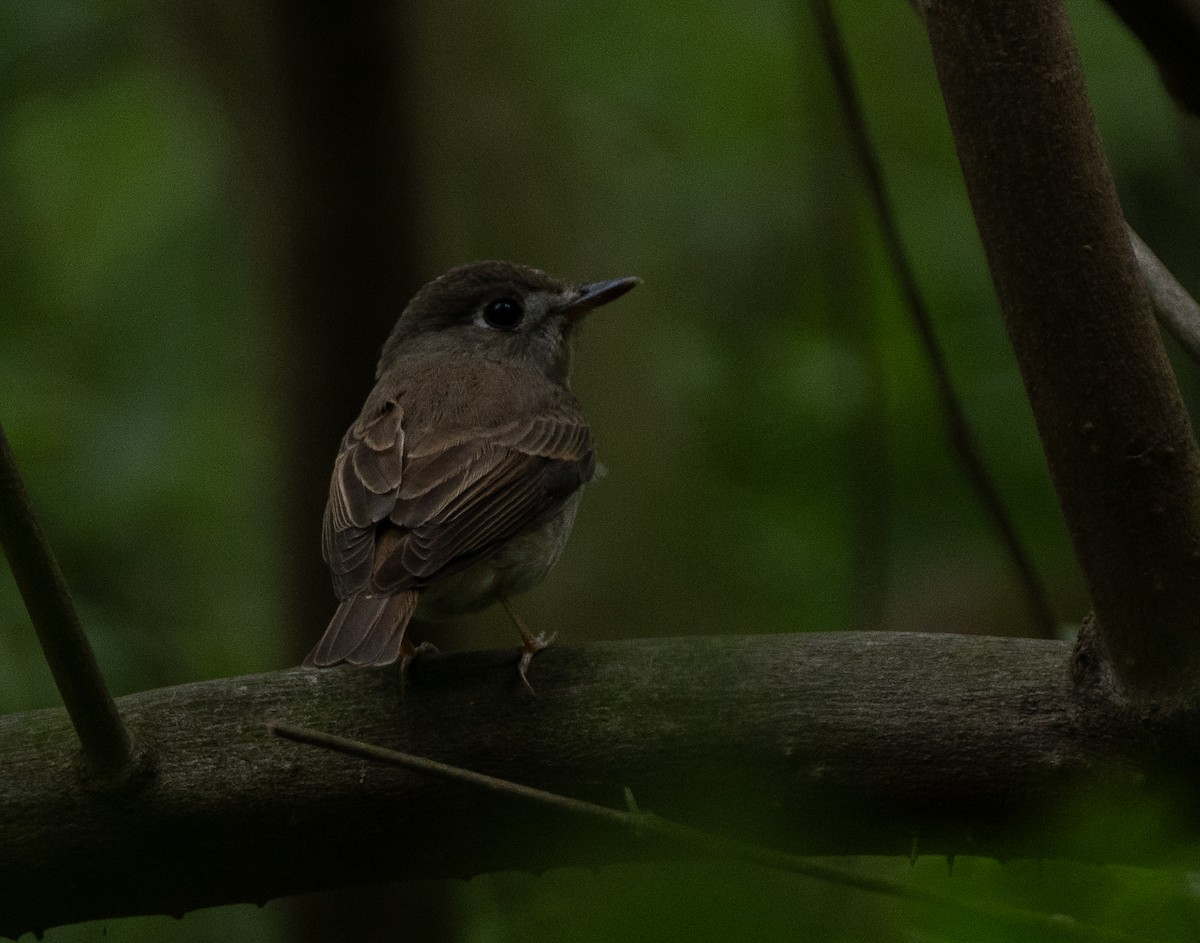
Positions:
{"x": 504, "y": 314}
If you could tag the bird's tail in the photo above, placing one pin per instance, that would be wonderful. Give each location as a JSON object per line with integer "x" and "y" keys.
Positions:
{"x": 365, "y": 630}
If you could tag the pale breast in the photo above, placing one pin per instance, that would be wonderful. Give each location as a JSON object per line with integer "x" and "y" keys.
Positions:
{"x": 517, "y": 566}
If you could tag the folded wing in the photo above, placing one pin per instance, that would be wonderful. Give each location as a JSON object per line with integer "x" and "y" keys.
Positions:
{"x": 414, "y": 497}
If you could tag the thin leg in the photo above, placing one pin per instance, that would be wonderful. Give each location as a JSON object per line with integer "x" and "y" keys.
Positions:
{"x": 530, "y": 644}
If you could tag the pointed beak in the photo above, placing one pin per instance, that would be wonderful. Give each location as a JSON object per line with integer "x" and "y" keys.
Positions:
{"x": 596, "y": 294}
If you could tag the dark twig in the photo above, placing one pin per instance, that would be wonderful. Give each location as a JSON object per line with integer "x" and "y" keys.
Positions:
{"x": 1170, "y": 31}
{"x": 647, "y": 823}
{"x": 106, "y": 742}
{"x": 961, "y": 436}
{"x": 1177, "y": 311}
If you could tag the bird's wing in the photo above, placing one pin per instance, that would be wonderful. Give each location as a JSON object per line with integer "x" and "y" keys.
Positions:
{"x": 459, "y": 503}
{"x": 362, "y": 492}
{"x": 415, "y": 497}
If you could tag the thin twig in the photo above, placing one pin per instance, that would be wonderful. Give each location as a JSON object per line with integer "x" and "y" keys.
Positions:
{"x": 647, "y": 823}
{"x": 960, "y": 432}
{"x": 1177, "y": 311}
{"x": 105, "y": 740}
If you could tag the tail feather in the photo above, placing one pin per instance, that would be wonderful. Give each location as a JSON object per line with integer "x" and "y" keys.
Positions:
{"x": 351, "y": 623}
{"x": 365, "y": 630}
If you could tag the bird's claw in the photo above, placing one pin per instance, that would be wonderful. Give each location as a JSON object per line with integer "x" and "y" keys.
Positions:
{"x": 530, "y": 646}
{"x": 408, "y": 652}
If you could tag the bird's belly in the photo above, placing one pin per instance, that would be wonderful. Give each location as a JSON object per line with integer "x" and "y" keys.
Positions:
{"x": 518, "y": 565}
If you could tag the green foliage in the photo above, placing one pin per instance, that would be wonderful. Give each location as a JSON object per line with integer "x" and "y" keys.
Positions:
{"x": 776, "y": 458}
{"x": 128, "y": 365}
{"x": 703, "y": 902}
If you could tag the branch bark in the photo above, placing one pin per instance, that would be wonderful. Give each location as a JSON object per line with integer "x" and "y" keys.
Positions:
{"x": 1118, "y": 442}
{"x": 824, "y": 744}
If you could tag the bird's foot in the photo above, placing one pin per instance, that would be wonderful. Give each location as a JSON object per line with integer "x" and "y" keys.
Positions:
{"x": 408, "y": 652}
{"x": 530, "y": 646}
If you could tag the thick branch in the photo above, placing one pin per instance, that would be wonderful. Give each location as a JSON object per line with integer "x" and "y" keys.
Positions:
{"x": 106, "y": 743}
{"x": 823, "y": 744}
{"x": 1117, "y": 439}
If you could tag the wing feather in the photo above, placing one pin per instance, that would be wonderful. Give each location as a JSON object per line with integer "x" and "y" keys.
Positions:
{"x": 362, "y": 492}
{"x": 420, "y": 490}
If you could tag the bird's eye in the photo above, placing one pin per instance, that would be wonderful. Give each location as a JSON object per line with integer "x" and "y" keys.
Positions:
{"x": 503, "y": 313}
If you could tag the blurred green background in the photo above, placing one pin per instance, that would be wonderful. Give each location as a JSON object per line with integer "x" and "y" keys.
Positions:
{"x": 210, "y": 215}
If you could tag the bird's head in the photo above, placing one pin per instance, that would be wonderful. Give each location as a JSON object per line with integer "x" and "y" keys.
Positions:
{"x": 499, "y": 310}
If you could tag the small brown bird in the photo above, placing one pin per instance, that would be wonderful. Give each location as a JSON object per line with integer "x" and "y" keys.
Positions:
{"x": 458, "y": 484}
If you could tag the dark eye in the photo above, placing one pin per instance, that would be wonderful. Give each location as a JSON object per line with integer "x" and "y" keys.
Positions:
{"x": 503, "y": 313}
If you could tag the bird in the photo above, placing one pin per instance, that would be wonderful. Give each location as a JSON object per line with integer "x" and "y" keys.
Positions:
{"x": 458, "y": 483}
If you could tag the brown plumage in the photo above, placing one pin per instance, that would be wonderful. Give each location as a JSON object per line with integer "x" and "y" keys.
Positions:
{"x": 457, "y": 485}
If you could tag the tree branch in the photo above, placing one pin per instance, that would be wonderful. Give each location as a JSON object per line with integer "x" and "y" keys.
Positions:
{"x": 1118, "y": 442}
{"x": 817, "y": 744}
{"x": 106, "y": 743}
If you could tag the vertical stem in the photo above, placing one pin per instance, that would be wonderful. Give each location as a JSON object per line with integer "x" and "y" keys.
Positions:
{"x": 1117, "y": 439}
{"x": 962, "y": 437}
{"x": 106, "y": 742}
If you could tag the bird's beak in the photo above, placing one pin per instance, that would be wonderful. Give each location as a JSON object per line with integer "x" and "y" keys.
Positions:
{"x": 596, "y": 294}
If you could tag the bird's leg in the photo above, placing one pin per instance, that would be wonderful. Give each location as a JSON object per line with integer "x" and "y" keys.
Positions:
{"x": 530, "y": 644}
{"x": 408, "y": 652}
